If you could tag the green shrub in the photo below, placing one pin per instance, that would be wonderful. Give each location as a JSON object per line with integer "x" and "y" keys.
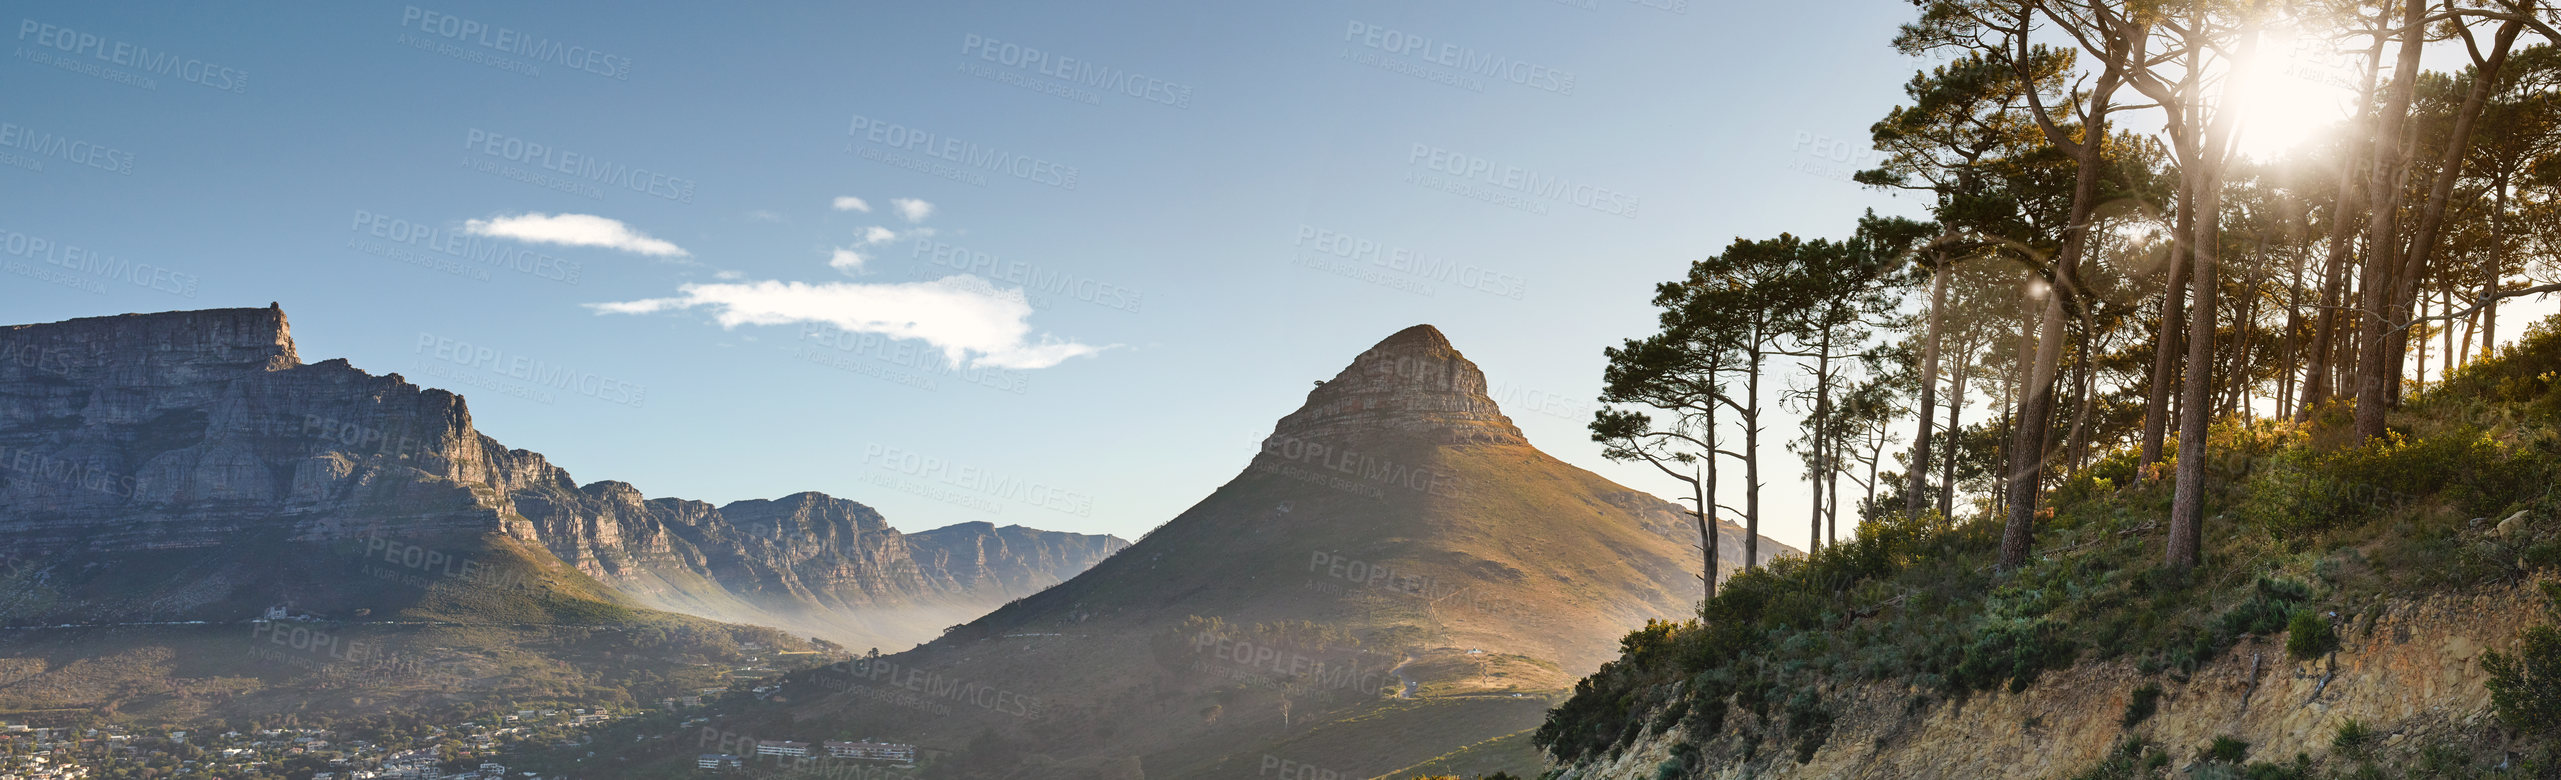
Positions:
{"x": 2525, "y": 688}
{"x": 2014, "y": 652}
{"x": 2227, "y": 750}
{"x": 2352, "y": 738}
{"x": 2310, "y": 636}
{"x": 1670, "y": 769}
{"x": 1812, "y": 723}
{"x": 2301, "y": 769}
{"x": 2140, "y": 708}
{"x": 2130, "y": 759}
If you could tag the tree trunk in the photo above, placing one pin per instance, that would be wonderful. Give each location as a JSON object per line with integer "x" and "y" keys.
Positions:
{"x": 2165, "y": 366}
{"x": 2187, "y": 503}
{"x": 2203, "y": 178}
{"x": 2447, "y": 334}
{"x": 1752, "y": 454}
{"x": 2037, "y": 380}
{"x": 2293, "y": 340}
{"x": 1706, "y": 531}
{"x": 2431, "y": 217}
{"x": 2489, "y": 312}
{"x": 1707, "y": 502}
{"x": 1955, "y": 411}
{"x": 2334, "y": 273}
{"x": 1822, "y": 434}
{"x": 2382, "y": 233}
{"x": 1929, "y": 390}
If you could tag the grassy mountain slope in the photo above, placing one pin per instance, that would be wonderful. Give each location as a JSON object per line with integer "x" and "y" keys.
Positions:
{"x": 458, "y": 624}
{"x": 1396, "y": 575}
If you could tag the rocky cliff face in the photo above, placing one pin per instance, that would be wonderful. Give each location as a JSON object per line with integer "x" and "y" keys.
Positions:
{"x": 204, "y": 430}
{"x": 1412, "y": 385}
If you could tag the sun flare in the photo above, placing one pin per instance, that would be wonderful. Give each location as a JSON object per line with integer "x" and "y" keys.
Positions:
{"x": 2295, "y": 89}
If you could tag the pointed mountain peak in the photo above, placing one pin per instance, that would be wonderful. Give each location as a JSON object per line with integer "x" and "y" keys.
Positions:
{"x": 1419, "y": 337}
{"x": 1414, "y": 385}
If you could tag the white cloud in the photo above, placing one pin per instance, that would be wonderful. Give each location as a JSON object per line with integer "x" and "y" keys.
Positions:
{"x": 761, "y": 215}
{"x": 573, "y": 230}
{"x": 846, "y": 259}
{"x": 911, "y": 209}
{"x": 879, "y": 235}
{"x": 971, "y": 321}
{"x": 851, "y": 203}
{"x": 729, "y": 275}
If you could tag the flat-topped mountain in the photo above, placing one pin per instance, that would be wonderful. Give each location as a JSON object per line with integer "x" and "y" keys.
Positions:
{"x": 199, "y": 446}
{"x": 1396, "y": 574}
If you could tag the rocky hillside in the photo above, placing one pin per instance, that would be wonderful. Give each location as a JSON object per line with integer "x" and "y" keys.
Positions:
{"x": 204, "y": 431}
{"x": 2363, "y": 609}
{"x": 2410, "y": 674}
{"x": 1395, "y": 575}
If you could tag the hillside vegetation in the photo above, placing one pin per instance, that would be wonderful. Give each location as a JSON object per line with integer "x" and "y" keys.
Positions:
{"x": 2309, "y": 536}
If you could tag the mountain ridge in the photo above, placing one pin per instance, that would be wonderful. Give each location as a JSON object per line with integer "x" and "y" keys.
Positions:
{"x": 191, "y": 430}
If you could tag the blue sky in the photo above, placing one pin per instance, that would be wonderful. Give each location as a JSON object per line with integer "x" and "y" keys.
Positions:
{"x": 1518, "y": 173}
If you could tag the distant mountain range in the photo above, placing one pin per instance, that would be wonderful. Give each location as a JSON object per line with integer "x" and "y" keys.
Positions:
{"x": 189, "y": 466}
{"x": 1398, "y": 581}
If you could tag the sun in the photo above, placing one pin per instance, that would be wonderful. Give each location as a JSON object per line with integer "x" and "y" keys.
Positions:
{"x": 2296, "y": 88}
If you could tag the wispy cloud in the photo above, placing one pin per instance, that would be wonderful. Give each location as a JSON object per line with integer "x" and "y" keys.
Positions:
{"x": 761, "y": 215}
{"x": 850, "y": 259}
{"x": 851, "y": 203}
{"x": 972, "y": 322}
{"x": 911, "y": 209}
{"x": 574, "y": 230}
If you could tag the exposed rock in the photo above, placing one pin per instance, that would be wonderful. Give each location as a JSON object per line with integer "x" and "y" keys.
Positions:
{"x": 1413, "y": 385}
{"x": 203, "y": 429}
{"x": 2419, "y": 692}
